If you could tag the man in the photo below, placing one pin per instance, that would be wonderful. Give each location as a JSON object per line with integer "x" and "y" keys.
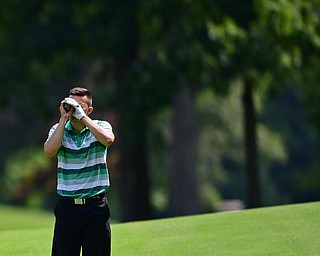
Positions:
{"x": 80, "y": 144}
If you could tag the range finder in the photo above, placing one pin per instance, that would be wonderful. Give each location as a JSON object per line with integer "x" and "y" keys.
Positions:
{"x": 66, "y": 107}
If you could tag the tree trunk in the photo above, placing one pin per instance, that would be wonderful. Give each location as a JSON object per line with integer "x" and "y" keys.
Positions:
{"x": 131, "y": 136}
{"x": 134, "y": 180}
{"x": 251, "y": 147}
{"x": 184, "y": 190}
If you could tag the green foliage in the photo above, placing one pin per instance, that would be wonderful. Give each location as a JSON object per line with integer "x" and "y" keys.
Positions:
{"x": 175, "y": 43}
{"x": 220, "y": 164}
{"x": 310, "y": 180}
{"x": 135, "y": 54}
{"x": 23, "y": 164}
{"x": 290, "y": 19}
{"x": 292, "y": 27}
{"x": 22, "y": 176}
{"x": 272, "y": 146}
{"x": 309, "y": 92}
{"x": 220, "y": 147}
{"x": 272, "y": 152}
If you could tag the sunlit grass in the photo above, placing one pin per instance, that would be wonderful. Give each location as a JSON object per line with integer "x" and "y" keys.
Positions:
{"x": 22, "y": 218}
{"x": 284, "y": 230}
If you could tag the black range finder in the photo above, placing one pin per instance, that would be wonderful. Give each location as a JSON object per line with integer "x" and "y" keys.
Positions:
{"x": 66, "y": 107}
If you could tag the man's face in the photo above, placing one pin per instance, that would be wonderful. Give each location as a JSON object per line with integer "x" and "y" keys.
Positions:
{"x": 83, "y": 102}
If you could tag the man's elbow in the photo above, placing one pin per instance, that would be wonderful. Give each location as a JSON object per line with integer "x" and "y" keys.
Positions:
{"x": 109, "y": 140}
{"x": 48, "y": 151}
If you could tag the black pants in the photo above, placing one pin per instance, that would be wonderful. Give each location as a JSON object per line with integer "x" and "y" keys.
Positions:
{"x": 82, "y": 226}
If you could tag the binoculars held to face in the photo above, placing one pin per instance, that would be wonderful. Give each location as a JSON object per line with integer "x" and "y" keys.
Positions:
{"x": 66, "y": 107}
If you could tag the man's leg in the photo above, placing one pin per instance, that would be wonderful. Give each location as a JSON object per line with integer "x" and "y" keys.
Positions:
{"x": 67, "y": 236}
{"x": 97, "y": 233}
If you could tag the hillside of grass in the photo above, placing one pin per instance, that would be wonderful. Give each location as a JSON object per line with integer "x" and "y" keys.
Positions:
{"x": 25, "y": 231}
{"x": 17, "y": 218}
{"x": 285, "y": 230}
{"x": 282, "y": 230}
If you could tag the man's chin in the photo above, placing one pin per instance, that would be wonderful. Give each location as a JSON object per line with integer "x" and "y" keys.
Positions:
{"x": 74, "y": 120}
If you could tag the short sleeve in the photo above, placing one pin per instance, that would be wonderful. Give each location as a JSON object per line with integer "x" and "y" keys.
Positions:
{"x": 51, "y": 131}
{"x": 104, "y": 124}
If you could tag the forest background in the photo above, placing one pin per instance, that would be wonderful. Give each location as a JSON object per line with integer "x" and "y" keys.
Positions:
{"x": 211, "y": 101}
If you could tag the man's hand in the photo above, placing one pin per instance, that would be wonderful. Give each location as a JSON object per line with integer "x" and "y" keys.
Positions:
{"x": 78, "y": 111}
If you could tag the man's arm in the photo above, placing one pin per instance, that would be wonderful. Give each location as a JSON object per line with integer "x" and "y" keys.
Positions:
{"x": 106, "y": 137}
{"x": 53, "y": 143}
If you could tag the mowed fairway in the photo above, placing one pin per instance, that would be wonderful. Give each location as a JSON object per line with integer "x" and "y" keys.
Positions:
{"x": 25, "y": 232}
{"x": 283, "y": 230}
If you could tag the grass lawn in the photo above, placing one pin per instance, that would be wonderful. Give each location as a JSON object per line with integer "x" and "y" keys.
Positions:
{"x": 25, "y": 232}
{"x": 282, "y": 230}
{"x": 16, "y": 218}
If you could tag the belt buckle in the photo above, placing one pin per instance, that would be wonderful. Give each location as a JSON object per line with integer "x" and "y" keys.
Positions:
{"x": 79, "y": 201}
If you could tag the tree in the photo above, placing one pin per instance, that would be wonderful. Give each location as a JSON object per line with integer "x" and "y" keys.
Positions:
{"x": 176, "y": 45}
{"x": 134, "y": 193}
{"x": 267, "y": 40}
{"x": 143, "y": 56}
{"x": 184, "y": 178}
{"x": 75, "y": 41}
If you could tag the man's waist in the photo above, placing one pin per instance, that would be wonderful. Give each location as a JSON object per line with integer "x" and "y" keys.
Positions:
{"x": 94, "y": 199}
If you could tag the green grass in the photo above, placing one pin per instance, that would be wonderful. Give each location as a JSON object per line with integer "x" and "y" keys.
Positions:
{"x": 25, "y": 231}
{"x": 13, "y": 218}
{"x": 283, "y": 230}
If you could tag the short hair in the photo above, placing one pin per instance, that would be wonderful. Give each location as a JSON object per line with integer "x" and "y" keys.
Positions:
{"x": 81, "y": 91}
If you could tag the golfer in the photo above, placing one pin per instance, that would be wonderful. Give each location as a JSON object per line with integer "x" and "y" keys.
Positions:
{"x": 82, "y": 211}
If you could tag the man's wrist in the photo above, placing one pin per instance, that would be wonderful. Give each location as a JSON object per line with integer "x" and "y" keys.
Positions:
{"x": 63, "y": 120}
{"x": 84, "y": 118}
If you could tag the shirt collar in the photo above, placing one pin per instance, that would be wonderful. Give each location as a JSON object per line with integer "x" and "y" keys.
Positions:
{"x": 70, "y": 128}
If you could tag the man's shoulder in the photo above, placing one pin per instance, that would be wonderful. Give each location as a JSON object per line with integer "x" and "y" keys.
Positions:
{"x": 103, "y": 123}
{"x": 54, "y": 126}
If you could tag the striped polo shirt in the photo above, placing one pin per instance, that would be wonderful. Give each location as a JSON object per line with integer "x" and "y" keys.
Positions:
{"x": 82, "y": 163}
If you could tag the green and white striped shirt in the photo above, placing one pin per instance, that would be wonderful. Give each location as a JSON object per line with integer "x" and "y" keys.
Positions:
{"x": 82, "y": 163}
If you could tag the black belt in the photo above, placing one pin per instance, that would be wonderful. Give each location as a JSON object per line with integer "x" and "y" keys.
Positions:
{"x": 94, "y": 199}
